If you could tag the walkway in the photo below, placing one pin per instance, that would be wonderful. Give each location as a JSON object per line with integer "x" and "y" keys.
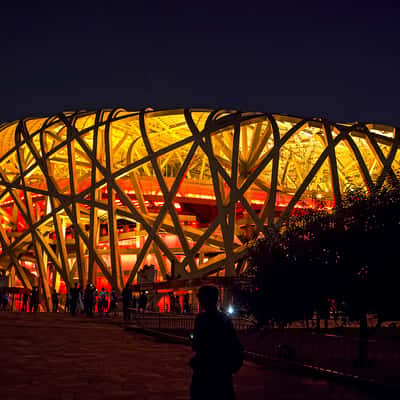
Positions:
{"x": 47, "y": 356}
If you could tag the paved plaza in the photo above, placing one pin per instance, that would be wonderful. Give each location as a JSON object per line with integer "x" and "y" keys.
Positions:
{"x": 47, "y": 356}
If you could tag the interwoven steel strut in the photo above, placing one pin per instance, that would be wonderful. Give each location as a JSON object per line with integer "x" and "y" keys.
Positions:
{"x": 88, "y": 195}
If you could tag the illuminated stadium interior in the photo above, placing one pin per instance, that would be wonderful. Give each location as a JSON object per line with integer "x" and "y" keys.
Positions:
{"x": 95, "y": 195}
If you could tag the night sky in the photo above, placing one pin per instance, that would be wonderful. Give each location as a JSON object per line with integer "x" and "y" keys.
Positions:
{"x": 341, "y": 63}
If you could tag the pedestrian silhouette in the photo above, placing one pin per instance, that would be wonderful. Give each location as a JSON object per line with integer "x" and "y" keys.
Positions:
{"x": 134, "y": 302}
{"x": 74, "y": 298}
{"x": 34, "y": 305}
{"x": 177, "y": 305}
{"x": 113, "y": 303}
{"x": 89, "y": 299}
{"x": 186, "y": 304}
{"x": 68, "y": 301}
{"x": 219, "y": 353}
{"x": 142, "y": 301}
{"x": 171, "y": 302}
{"x": 103, "y": 303}
{"x": 25, "y": 299}
{"x": 5, "y": 300}
{"x": 126, "y": 300}
{"x": 80, "y": 307}
{"x": 54, "y": 299}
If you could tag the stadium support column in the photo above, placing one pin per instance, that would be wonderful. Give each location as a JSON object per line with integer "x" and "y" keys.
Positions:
{"x": 114, "y": 245}
{"x": 76, "y": 210}
{"x": 12, "y": 284}
{"x": 95, "y": 195}
{"x": 117, "y": 281}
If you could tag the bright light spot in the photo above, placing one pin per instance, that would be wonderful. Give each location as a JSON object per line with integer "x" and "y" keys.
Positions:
{"x": 230, "y": 310}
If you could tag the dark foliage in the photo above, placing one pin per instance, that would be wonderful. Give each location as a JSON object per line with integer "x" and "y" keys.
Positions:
{"x": 349, "y": 255}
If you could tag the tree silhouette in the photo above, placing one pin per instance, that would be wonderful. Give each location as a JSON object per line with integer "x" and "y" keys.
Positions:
{"x": 349, "y": 254}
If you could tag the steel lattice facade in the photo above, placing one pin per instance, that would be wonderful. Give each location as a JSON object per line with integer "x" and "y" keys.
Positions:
{"x": 90, "y": 195}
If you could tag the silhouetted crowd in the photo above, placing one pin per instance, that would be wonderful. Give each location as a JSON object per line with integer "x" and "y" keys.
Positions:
{"x": 84, "y": 300}
{"x": 80, "y": 300}
{"x": 87, "y": 300}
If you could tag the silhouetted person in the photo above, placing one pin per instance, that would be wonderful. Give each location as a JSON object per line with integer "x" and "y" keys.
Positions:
{"x": 34, "y": 305}
{"x": 80, "y": 307}
{"x": 94, "y": 298}
{"x": 186, "y": 305}
{"x": 171, "y": 302}
{"x": 113, "y": 303}
{"x": 142, "y": 302}
{"x": 25, "y": 298}
{"x": 74, "y": 298}
{"x": 103, "y": 303}
{"x": 88, "y": 299}
{"x": 54, "y": 299}
{"x": 219, "y": 353}
{"x": 178, "y": 309}
{"x": 5, "y": 300}
{"x": 68, "y": 301}
{"x": 126, "y": 300}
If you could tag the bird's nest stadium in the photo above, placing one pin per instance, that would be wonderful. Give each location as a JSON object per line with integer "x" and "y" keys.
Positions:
{"x": 96, "y": 195}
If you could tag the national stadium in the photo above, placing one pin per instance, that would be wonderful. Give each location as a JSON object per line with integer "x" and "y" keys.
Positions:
{"x": 99, "y": 196}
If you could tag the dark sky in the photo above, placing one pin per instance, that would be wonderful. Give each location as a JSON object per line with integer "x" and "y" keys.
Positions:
{"x": 318, "y": 60}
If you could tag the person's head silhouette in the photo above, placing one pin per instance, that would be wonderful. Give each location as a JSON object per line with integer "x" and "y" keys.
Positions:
{"x": 208, "y": 297}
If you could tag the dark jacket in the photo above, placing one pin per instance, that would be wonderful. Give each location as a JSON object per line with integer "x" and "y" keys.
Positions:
{"x": 218, "y": 355}
{"x": 216, "y": 344}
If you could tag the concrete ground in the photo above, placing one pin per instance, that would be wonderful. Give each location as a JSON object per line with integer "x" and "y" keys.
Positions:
{"x": 47, "y": 356}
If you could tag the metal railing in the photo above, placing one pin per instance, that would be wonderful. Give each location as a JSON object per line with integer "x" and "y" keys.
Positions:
{"x": 170, "y": 321}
